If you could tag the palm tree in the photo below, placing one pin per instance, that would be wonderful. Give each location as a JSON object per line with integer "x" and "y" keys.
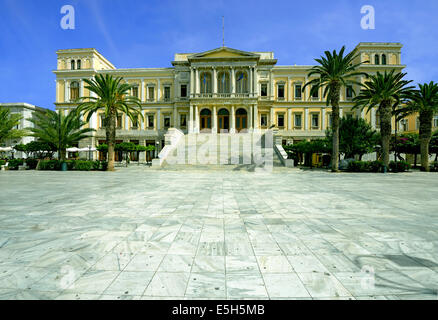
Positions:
{"x": 8, "y": 122}
{"x": 333, "y": 72}
{"x": 59, "y": 130}
{"x": 424, "y": 101}
{"x": 112, "y": 96}
{"x": 384, "y": 91}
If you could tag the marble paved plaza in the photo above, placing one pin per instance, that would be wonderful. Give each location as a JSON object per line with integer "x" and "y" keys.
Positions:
{"x": 140, "y": 233}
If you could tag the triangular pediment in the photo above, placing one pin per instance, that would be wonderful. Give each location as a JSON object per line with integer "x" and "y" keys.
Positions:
{"x": 223, "y": 52}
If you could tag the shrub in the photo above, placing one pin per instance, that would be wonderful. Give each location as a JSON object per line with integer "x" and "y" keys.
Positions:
{"x": 81, "y": 165}
{"x": 31, "y": 163}
{"x": 13, "y": 164}
{"x": 399, "y": 166}
{"x": 365, "y": 166}
{"x": 104, "y": 165}
{"x": 2, "y": 162}
{"x": 49, "y": 165}
{"x": 375, "y": 166}
{"x": 434, "y": 166}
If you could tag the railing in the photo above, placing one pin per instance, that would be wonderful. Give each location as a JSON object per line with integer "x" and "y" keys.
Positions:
{"x": 223, "y": 95}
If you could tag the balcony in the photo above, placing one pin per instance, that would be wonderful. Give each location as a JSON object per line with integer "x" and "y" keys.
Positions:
{"x": 223, "y": 95}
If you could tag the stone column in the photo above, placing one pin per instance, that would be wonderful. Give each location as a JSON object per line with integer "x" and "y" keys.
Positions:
{"x": 251, "y": 83}
{"x": 256, "y": 83}
{"x": 159, "y": 90}
{"x": 289, "y": 119}
{"x": 272, "y": 89}
{"x": 272, "y": 116}
{"x": 81, "y": 88}
{"x": 197, "y": 90}
{"x": 251, "y": 118}
{"x": 214, "y": 81}
{"x": 373, "y": 118}
{"x": 306, "y": 119}
{"x": 233, "y": 82}
{"x": 126, "y": 122}
{"x": 142, "y": 90}
{"x": 191, "y": 124}
{"x": 323, "y": 119}
{"x": 175, "y": 116}
{"x": 158, "y": 119}
{"x": 66, "y": 96}
{"x": 214, "y": 126}
{"x": 256, "y": 117}
{"x": 192, "y": 82}
{"x": 233, "y": 120}
{"x": 197, "y": 130}
{"x": 341, "y": 112}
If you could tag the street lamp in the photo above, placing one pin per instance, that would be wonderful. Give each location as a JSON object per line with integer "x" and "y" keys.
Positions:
{"x": 158, "y": 145}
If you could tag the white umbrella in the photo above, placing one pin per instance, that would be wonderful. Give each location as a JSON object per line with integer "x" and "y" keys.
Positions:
{"x": 6, "y": 149}
{"x": 87, "y": 149}
{"x": 74, "y": 149}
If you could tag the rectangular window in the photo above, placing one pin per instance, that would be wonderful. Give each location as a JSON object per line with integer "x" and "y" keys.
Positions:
{"x": 417, "y": 123}
{"x": 404, "y": 125}
{"x": 166, "y": 122}
{"x": 263, "y": 120}
{"x": 151, "y": 92}
{"x": 151, "y": 121}
{"x": 166, "y": 93}
{"x": 280, "y": 91}
{"x": 349, "y": 92}
{"x": 134, "y": 124}
{"x": 183, "y": 91}
{"x": 280, "y": 120}
{"x": 315, "y": 120}
{"x": 135, "y": 91}
{"x": 183, "y": 121}
{"x": 349, "y": 115}
{"x": 435, "y": 121}
{"x": 102, "y": 121}
{"x": 315, "y": 94}
{"x": 119, "y": 122}
{"x": 298, "y": 120}
{"x": 298, "y": 93}
{"x": 264, "y": 89}
{"x": 329, "y": 120}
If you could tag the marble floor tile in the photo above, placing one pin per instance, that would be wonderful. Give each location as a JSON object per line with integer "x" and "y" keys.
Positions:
{"x": 113, "y": 262}
{"x": 323, "y": 285}
{"x": 306, "y": 263}
{"x": 274, "y": 264}
{"x": 245, "y": 286}
{"x": 241, "y": 264}
{"x": 129, "y": 283}
{"x": 167, "y": 284}
{"x": 176, "y": 263}
{"x": 209, "y": 264}
{"x": 284, "y": 285}
{"x": 144, "y": 262}
{"x": 207, "y": 285}
{"x": 93, "y": 282}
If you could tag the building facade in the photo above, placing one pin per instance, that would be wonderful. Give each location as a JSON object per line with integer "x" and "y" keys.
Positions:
{"x": 221, "y": 90}
{"x": 26, "y": 111}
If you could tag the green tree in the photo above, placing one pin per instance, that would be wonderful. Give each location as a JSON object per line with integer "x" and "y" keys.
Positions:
{"x": 424, "y": 101}
{"x": 112, "y": 96}
{"x": 384, "y": 91}
{"x": 356, "y": 137}
{"x": 8, "y": 122}
{"x": 61, "y": 131}
{"x": 334, "y": 72}
{"x": 126, "y": 148}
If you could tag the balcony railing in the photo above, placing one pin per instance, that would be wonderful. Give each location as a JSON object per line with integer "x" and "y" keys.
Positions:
{"x": 223, "y": 95}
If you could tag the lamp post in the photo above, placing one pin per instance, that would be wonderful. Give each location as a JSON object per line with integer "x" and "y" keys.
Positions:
{"x": 89, "y": 152}
{"x": 158, "y": 144}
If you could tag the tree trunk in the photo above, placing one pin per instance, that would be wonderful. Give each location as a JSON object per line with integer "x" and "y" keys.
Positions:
{"x": 111, "y": 138}
{"x": 425, "y": 136}
{"x": 385, "y": 130}
{"x": 63, "y": 154}
{"x": 335, "y": 126}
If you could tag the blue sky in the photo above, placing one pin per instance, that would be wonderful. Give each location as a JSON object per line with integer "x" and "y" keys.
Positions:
{"x": 147, "y": 33}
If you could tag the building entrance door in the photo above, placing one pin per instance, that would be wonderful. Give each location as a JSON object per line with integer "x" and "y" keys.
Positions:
{"x": 241, "y": 120}
{"x": 205, "y": 118}
{"x": 223, "y": 119}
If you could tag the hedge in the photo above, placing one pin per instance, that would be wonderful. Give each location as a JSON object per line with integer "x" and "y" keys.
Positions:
{"x": 75, "y": 165}
{"x": 399, "y": 166}
{"x": 31, "y": 163}
{"x": 365, "y": 166}
{"x": 13, "y": 164}
{"x": 434, "y": 166}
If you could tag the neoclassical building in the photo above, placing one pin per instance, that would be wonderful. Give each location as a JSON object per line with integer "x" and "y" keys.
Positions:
{"x": 220, "y": 90}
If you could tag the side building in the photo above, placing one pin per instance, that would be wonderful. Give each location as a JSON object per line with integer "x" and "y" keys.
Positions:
{"x": 220, "y": 90}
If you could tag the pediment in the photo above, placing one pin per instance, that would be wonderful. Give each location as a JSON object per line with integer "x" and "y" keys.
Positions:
{"x": 224, "y": 52}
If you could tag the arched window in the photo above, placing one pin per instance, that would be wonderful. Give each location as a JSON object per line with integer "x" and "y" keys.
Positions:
{"x": 241, "y": 82}
{"x": 223, "y": 80}
{"x": 78, "y": 64}
{"x": 376, "y": 59}
{"x": 72, "y": 63}
{"x": 384, "y": 59}
{"x": 74, "y": 90}
{"x": 205, "y": 82}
